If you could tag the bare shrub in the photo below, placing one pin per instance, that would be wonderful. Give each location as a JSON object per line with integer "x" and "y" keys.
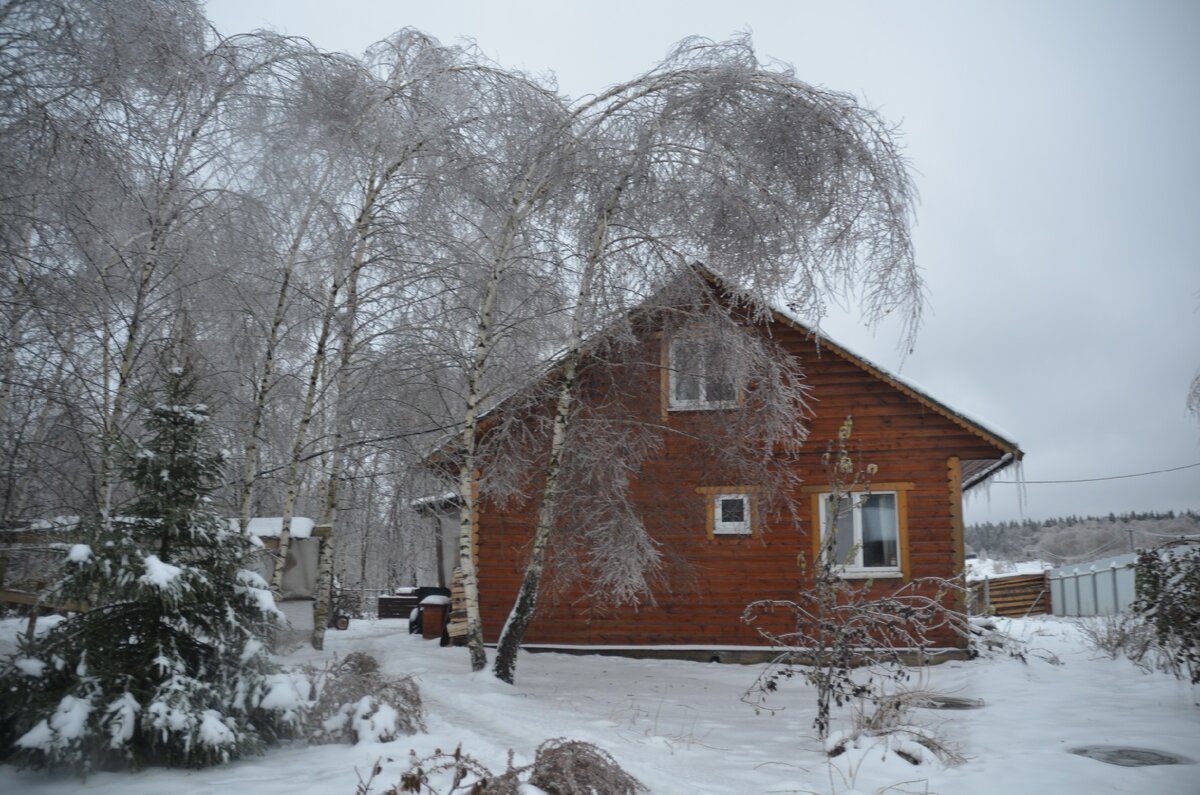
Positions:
{"x": 836, "y": 625}
{"x": 1119, "y": 635}
{"x": 356, "y": 702}
{"x": 443, "y": 773}
{"x": 560, "y": 767}
{"x": 986, "y": 637}
{"x": 890, "y": 711}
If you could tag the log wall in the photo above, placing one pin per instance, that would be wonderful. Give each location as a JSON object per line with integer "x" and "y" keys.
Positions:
{"x": 708, "y": 581}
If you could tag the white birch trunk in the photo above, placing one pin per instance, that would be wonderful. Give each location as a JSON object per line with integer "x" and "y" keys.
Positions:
{"x": 306, "y": 415}
{"x": 324, "y": 584}
{"x": 467, "y": 467}
{"x": 124, "y": 368}
{"x": 325, "y": 562}
{"x": 15, "y": 328}
{"x": 8, "y": 367}
{"x": 250, "y": 465}
{"x": 525, "y": 607}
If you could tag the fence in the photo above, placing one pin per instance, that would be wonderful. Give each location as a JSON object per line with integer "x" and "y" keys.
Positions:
{"x": 1014, "y": 596}
{"x": 1096, "y": 588}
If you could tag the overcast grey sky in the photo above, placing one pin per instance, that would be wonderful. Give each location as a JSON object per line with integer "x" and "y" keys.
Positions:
{"x": 1055, "y": 148}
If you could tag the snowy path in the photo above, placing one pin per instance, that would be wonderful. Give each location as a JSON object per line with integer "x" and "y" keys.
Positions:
{"x": 680, "y": 727}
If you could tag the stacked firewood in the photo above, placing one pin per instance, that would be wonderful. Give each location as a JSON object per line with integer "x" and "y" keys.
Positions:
{"x": 457, "y": 629}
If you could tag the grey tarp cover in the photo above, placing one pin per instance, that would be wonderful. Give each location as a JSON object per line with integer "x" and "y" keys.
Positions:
{"x": 300, "y": 571}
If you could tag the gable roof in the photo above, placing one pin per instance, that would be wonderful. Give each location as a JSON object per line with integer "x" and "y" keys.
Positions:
{"x": 974, "y": 471}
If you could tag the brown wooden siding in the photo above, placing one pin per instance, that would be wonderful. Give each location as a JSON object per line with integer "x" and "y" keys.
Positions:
{"x": 709, "y": 580}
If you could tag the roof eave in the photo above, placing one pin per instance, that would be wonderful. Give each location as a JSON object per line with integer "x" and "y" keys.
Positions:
{"x": 1002, "y": 463}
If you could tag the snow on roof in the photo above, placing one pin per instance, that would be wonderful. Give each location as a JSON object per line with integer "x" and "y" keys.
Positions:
{"x": 986, "y": 568}
{"x": 434, "y": 499}
{"x": 270, "y": 526}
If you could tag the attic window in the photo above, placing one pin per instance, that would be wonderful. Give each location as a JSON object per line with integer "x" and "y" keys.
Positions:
{"x": 699, "y": 379}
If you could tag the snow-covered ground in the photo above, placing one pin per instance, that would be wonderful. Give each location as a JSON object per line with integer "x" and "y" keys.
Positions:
{"x": 681, "y": 727}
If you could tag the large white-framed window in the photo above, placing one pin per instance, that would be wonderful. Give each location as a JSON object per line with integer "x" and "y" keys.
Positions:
{"x": 697, "y": 378}
{"x": 869, "y": 531}
{"x": 730, "y": 510}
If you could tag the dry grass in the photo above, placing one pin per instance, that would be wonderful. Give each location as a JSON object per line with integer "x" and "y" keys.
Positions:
{"x": 1120, "y": 635}
{"x": 889, "y": 720}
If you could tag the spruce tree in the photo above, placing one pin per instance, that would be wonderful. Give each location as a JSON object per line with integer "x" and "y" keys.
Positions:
{"x": 168, "y": 666}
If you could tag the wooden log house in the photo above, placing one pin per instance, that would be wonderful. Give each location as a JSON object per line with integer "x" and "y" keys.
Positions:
{"x": 719, "y": 561}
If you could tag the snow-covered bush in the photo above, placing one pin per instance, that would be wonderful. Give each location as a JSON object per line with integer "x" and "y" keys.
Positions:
{"x": 168, "y": 666}
{"x": 888, "y": 722}
{"x": 355, "y": 703}
{"x": 572, "y": 767}
{"x": 1168, "y": 596}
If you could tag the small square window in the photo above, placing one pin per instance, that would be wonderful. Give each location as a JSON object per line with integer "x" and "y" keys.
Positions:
{"x": 731, "y": 514}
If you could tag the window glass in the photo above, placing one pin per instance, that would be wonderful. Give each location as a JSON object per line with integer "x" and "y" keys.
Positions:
{"x": 731, "y": 514}
{"x": 879, "y": 523}
{"x": 699, "y": 379}
{"x": 866, "y": 530}
{"x": 718, "y": 389}
{"x": 844, "y": 529}
{"x": 733, "y": 509}
{"x": 685, "y": 362}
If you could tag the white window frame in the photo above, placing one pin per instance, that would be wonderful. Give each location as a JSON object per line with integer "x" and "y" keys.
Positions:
{"x": 701, "y": 403}
{"x": 742, "y": 528}
{"x": 856, "y": 569}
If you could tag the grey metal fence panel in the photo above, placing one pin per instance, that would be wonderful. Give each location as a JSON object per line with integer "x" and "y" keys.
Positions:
{"x": 1096, "y": 588}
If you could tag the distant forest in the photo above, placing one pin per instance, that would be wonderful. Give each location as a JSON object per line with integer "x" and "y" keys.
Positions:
{"x": 1075, "y": 539}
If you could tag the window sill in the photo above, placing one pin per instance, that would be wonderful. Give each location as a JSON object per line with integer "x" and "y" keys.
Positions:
{"x": 871, "y": 574}
{"x": 722, "y": 406}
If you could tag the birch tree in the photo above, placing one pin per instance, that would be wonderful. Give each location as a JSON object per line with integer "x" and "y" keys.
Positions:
{"x": 397, "y": 242}
{"x": 776, "y": 185}
{"x": 136, "y": 101}
{"x": 503, "y": 239}
{"x": 377, "y": 139}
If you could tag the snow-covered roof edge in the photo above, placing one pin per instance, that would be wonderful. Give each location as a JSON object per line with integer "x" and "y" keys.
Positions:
{"x": 434, "y": 500}
{"x": 272, "y": 526}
